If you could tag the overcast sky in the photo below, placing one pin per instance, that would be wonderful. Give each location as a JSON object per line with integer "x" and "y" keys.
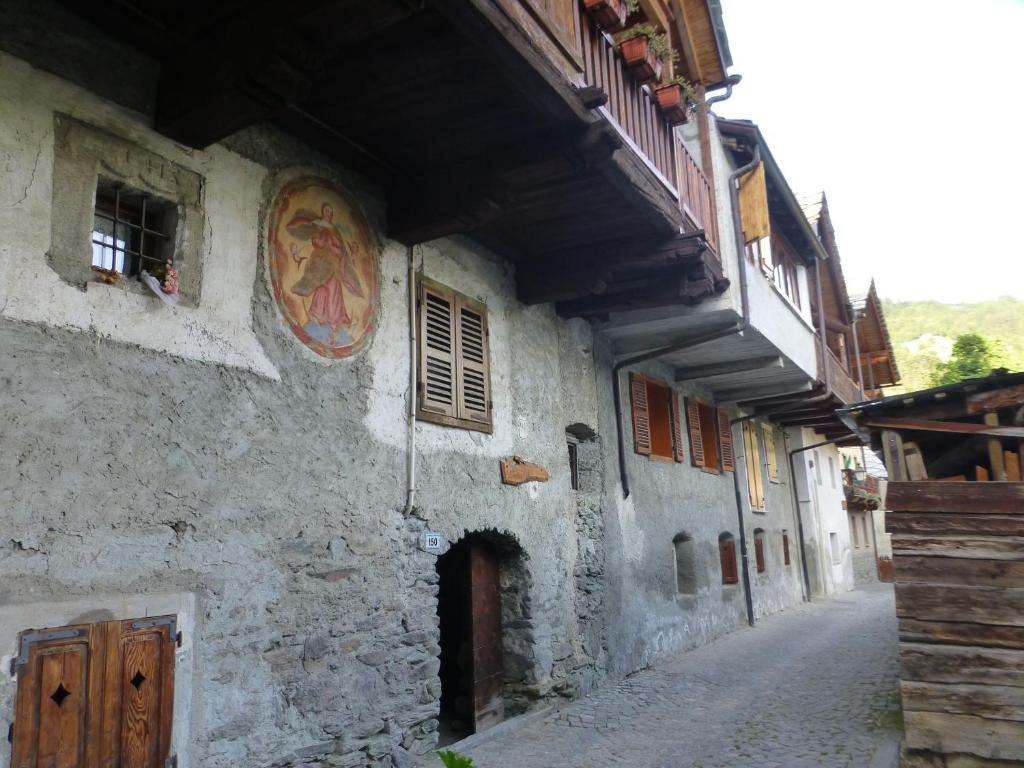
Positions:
{"x": 909, "y": 114}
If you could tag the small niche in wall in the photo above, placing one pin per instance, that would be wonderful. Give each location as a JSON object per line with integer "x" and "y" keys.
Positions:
{"x": 685, "y": 562}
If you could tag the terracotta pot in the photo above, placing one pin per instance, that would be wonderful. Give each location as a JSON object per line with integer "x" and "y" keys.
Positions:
{"x": 643, "y": 64}
{"x": 609, "y": 15}
{"x": 672, "y": 103}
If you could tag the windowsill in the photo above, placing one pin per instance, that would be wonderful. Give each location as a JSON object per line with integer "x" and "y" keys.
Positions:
{"x": 759, "y": 511}
{"x": 792, "y": 307}
{"x": 711, "y": 470}
{"x": 662, "y": 459}
{"x": 451, "y": 421}
{"x": 686, "y": 601}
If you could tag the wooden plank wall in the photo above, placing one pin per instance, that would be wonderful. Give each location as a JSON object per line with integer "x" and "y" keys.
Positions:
{"x": 958, "y": 550}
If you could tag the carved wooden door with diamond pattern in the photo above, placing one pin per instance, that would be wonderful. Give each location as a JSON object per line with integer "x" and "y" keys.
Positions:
{"x": 95, "y": 695}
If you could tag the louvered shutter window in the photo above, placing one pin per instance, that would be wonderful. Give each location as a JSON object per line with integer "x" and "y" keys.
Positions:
{"x": 785, "y": 547}
{"x": 755, "y": 482}
{"x": 454, "y": 376}
{"x": 677, "y": 427}
{"x": 759, "y": 553}
{"x": 696, "y": 440}
{"x": 770, "y": 456}
{"x": 96, "y": 694}
{"x": 641, "y": 415}
{"x": 474, "y": 390}
{"x": 725, "y": 441}
{"x": 437, "y": 383}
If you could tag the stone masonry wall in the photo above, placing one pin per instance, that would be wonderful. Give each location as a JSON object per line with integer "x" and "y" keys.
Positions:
{"x": 200, "y": 460}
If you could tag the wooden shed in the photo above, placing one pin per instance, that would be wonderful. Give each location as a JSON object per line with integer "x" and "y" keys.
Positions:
{"x": 958, "y": 550}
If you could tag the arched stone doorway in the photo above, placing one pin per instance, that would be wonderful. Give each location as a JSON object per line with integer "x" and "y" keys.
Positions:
{"x": 482, "y": 601}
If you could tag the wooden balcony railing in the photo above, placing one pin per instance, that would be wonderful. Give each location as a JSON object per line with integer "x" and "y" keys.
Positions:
{"x": 630, "y": 105}
{"x": 839, "y": 380}
{"x": 696, "y": 197}
{"x": 633, "y": 109}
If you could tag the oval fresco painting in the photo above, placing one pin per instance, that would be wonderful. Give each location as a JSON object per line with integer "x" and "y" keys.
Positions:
{"x": 323, "y": 267}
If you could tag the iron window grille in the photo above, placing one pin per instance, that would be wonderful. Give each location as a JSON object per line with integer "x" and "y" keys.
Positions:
{"x": 131, "y": 231}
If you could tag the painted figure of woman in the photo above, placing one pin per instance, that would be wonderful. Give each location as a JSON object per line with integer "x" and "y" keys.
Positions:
{"x": 328, "y": 274}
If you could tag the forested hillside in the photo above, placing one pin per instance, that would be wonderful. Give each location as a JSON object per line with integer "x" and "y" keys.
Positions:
{"x": 923, "y": 333}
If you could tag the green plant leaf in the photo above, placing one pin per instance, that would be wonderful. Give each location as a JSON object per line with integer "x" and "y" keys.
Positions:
{"x": 455, "y": 760}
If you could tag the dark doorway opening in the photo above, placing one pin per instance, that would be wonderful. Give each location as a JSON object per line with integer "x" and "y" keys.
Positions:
{"x": 469, "y": 607}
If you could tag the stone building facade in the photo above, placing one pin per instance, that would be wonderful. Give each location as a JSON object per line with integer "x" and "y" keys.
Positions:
{"x": 199, "y": 471}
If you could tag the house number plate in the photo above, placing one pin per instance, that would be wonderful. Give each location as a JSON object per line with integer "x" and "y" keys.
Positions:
{"x": 432, "y": 541}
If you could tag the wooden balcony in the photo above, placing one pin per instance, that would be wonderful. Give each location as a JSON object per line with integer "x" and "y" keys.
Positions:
{"x": 632, "y": 110}
{"x": 839, "y": 380}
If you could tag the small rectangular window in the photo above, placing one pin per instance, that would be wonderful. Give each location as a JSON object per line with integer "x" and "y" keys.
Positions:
{"x": 574, "y": 465}
{"x": 770, "y": 455}
{"x": 833, "y": 539}
{"x": 785, "y": 547}
{"x": 727, "y": 558}
{"x": 132, "y": 232}
{"x": 710, "y": 436}
{"x": 657, "y": 430}
{"x": 832, "y": 471}
{"x": 817, "y": 467}
{"x": 755, "y": 481}
{"x": 454, "y": 386}
{"x": 856, "y": 532}
{"x": 759, "y": 552}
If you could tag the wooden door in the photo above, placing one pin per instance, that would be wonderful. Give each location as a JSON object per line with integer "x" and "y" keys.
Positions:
{"x": 488, "y": 667}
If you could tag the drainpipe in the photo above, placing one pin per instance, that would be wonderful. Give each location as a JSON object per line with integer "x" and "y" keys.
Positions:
{"x": 800, "y": 517}
{"x": 739, "y": 496}
{"x": 713, "y": 336}
{"x": 410, "y": 479}
{"x": 729, "y": 83}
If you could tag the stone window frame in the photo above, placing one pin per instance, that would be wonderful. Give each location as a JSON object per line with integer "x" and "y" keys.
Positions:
{"x": 83, "y": 156}
{"x": 685, "y": 562}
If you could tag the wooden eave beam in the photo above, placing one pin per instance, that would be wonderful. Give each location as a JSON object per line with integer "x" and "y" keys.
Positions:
{"x": 949, "y": 427}
{"x": 573, "y": 274}
{"x": 804, "y": 392}
{"x": 226, "y": 80}
{"x": 443, "y": 201}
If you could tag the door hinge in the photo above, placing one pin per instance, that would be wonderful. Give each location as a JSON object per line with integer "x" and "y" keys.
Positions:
{"x": 171, "y": 622}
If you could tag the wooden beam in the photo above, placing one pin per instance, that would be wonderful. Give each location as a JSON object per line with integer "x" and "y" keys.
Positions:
{"x": 804, "y": 391}
{"x": 951, "y": 427}
{"x": 454, "y": 199}
{"x": 866, "y": 358}
{"x": 810, "y": 421}
{"x": 226, "y": 81}
{"x": 743, "y": 394}
{"x": 892, "y": 451}
{"x": 956, "y": 497}
{"x": 564, "y": 275}
{"x": 996, "y": 461}
{"x": 1008, "y": 397}
{"x": 733, "y": 367}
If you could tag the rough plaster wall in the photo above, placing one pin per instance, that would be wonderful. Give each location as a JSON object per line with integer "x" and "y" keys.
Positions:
{"x": 244, "y": 471}
{"x": 646, "y": 618}
{"x": 779, "y": 587}
{"x": 219, "y": 330}
{"x": 824, "y": 514}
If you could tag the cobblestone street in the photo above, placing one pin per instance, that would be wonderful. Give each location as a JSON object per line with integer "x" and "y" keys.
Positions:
{"x": 822, "y": 693}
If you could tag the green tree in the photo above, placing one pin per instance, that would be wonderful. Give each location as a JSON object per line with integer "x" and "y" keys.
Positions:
{"x": 971, "y": 358}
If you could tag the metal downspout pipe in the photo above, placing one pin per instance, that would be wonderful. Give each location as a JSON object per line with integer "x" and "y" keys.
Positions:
{"x": 800, "y": 517}
{"x": 410, "y": 467}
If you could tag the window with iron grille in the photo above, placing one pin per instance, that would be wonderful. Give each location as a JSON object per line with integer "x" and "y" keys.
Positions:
{"x": 132, "y": 231}
{"x": 574, "y": 462}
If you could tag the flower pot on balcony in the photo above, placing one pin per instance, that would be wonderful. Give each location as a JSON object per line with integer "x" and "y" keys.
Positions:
{"x": 673, "y": 104}
{"x": 609, "y": 15}
{"x": 643, "y": 64}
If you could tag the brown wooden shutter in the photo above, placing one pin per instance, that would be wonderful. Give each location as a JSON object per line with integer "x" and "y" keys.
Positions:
{"x": 437, "y": 364}
{"x": 473, "y": 355}
{"x": 725, "y": 441}
{"x": 96, "y": 695}
{"x": 138, "y": 706}
{"x": 727, "y": 555}
{"x": 51, "y": 722}
{"x": 696, "y": 439}
{"x": 785, "y": 548}
{"x": 641, "y": 416}
{"x": 753, "y": 200}
{"x": 677, "y": 426}
{"x": 759, "y": 553}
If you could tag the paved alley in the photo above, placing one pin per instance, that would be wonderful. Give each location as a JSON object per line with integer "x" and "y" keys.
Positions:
{"x": 813, "y": 686}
